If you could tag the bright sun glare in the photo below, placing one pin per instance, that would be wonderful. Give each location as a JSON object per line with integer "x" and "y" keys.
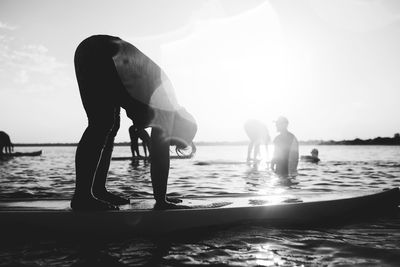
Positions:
{"x": 235, "y": 68}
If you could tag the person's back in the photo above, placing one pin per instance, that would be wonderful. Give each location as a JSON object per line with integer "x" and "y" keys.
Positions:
{"x": 286, "y": 151}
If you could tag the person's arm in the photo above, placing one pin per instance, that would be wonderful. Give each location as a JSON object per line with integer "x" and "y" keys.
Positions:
{"x": 144, "y": 145}
{"x": 159, "y": 169}
{"x": 249, "y": 149}
{"x": 273, "y": 163}
{"x": 145, "y": 142}
{"x": 148, "y": 145}
{"x": 274, "y": 157}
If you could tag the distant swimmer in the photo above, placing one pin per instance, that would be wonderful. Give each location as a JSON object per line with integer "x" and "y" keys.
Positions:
{"x": 313, "y": 158}
{"x": 111, "y": 74}
{"x": 286, "y": 150}
{"x": 5, "y": 144}
{"x": 258, "y": 134}
{"x": 136, "y": 134}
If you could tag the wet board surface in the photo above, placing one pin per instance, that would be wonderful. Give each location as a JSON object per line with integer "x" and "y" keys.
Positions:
{"x": 23, "y": 154}
{"x": 146, "y": 204}
{"x": 147, "y": 158}
{"x": 308, "y": 158}
{"x": 139, "y": 216}
{"x": 223, "y": 162}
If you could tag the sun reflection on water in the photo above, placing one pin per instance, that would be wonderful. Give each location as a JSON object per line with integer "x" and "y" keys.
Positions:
{"x": 264, "y": 256}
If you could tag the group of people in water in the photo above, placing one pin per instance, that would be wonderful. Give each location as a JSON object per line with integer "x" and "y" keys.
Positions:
{"x": 286, "y": 147}
{"x": 113, "y": 74}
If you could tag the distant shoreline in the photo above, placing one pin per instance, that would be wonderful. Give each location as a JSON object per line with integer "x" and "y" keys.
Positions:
{"x": 378, "y": 141}
{"x": 383, "y": 141}
{"x": 238, "y": 143}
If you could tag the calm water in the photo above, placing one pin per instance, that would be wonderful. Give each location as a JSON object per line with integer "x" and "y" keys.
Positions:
{"x": 222, "y": 170}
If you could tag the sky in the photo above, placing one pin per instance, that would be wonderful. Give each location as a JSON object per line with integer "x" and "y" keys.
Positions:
{"x": 331, "y": 67}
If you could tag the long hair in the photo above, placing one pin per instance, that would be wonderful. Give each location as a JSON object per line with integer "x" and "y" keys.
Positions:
{"x": 182, "y": 151}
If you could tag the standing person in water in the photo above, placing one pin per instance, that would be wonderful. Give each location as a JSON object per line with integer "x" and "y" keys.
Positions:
{"x": 136, "y": 134}
{"x": 286, "y": 151}
{"x": 258, "y": 134}
{"x": 111, "y": 74}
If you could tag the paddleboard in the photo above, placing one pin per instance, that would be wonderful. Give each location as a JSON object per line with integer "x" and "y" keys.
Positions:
{"x": 138, "y": 217}
{"x": 23, "y": 154}
{"x": 147, "y": 158}
{"x": 221, "y": 162}
{"x": 307, "y": 158}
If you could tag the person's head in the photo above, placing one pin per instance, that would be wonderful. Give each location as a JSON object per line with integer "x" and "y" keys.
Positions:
{"x": 314, "y": 152}
{"x": 281, "y": 124}
{"x": 184, "y": 129}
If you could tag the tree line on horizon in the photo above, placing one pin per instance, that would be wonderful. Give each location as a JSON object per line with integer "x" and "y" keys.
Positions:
{"x": 395, "y": 140}
{"x": 388, "y": 141}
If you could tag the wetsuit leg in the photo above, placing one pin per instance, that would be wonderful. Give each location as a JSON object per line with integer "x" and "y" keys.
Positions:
{"x": 249, "y": 150}
{"x": 134, "y": 143}
{"x": 95, "y": 73}
{"x": 99, "y": 184}
{"x": 256, "y": 150}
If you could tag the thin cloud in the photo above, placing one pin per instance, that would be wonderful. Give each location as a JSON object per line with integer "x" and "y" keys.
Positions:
{"x": 30, "y": 64}
{"x": 6, "y": 26}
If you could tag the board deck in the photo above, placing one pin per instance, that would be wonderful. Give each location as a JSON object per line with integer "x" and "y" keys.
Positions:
{"x": 23, "y": 154}
{"x": 139, "y": 217}
{"x": 308, "y": 158}
{"x": 147, "y": 158}
{"x": 148, "y": 203}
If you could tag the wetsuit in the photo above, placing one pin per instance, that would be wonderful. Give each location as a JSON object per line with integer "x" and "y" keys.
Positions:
{"x": 111, "y": 74}
{"x": 286, "y": 154}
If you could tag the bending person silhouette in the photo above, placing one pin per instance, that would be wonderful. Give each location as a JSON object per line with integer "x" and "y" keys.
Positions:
{"x": 136, "y": 134}
{"x": 5, "y": 144}
{"x": 286, "y": 151}
{"x": 111, "y": 74}
{"x": 258, "y": 134}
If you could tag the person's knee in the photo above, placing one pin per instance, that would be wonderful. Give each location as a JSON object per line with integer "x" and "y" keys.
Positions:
{"x": 115, "y": 127}
{"x": 101, "y": 128}
{"x": 113, "y": 131}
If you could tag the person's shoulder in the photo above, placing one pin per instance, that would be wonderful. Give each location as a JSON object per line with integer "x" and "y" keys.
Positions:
{"x": 277, "y": 138}
{"x": 293, "y": 137}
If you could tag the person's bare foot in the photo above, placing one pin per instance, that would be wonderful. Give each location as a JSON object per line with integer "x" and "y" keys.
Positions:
{"x": 111, "y": 198}
{"x": 174, "y": 200}
{"x": 91, "y": 204}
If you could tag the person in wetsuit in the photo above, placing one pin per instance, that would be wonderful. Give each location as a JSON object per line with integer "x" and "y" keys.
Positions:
{"x": 111, "y": 74}
{"x": 135, "y": 134}
{"x": 286, "y": 151}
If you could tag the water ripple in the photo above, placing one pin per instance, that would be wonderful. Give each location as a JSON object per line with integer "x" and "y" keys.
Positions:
{"x": 215, "y": 171}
